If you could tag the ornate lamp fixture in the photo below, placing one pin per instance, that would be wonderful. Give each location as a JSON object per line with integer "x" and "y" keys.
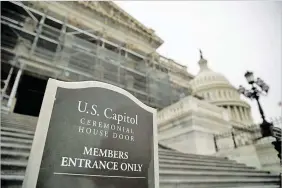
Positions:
{"x": 258, "y": 88}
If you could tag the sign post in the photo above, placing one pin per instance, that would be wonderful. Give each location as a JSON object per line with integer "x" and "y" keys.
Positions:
{"x": 93, "y": 134}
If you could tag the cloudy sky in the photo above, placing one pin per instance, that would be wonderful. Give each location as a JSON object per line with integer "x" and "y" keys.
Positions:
{"x": 234, "y": 37}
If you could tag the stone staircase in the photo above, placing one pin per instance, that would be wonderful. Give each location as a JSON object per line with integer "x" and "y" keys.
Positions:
{"x": 177, "y": 170}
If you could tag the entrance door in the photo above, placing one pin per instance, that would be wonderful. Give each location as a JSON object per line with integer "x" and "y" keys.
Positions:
{"x": 30, "y": 95}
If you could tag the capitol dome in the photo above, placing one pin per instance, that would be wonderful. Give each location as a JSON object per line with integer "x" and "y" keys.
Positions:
{"x": 206, "y": 77}
{"x": 216, "y": 89}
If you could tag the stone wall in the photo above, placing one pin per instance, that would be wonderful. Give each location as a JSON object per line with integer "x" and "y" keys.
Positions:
{"x": 268, "y": 155}
{"x": 190, "y": 124}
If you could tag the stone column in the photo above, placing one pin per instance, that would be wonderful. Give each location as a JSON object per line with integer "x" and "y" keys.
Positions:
{"x": 15, "y": 88}
{"x": 6, "y": 83}
{"x": 241, "y": 113}
{"x": 211, "y": 95}
{"x": 229, "y": 112}
{"x": 216, "y": 94}
{"x": 250, "y": 115}
{"x": 246, "y": 113}
{"x": 237, "y": 113}
{"x": 234, "y": 113}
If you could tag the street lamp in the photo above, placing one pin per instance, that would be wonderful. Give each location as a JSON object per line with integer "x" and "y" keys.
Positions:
{"x": 258, "y": 88}
{"x": 250, "y": 77}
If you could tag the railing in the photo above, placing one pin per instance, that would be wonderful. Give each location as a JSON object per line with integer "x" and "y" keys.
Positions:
{"x": 247, "y": 135}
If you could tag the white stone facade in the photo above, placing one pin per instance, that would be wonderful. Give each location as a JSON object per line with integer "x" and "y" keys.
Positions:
{"x": 268, "y": 155}
{"x": 190, "y": 124}
{"x": 245, "y": 154}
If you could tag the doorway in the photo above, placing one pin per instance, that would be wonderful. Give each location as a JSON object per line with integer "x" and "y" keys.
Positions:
{"x": 30, "y": 95}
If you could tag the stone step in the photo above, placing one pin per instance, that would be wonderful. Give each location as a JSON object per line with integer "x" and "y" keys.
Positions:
{"x": 15, "y": 172}
{"x": 217, "y": 183}
{"x": 19, "y": 126}
{"x": 191, "y": 174}
{"x": 176, "y": 153}
{"x": 18, "y": 117}
{"x": 14, "y": 119}
{"x": 192, "y": 158}
{"x": 5, "y": 139}
{"x": 8, "y": 154}
{"x": 221, "y": 185}
{"x": 177, "y": 170}
{"x": 15, "y": 184}
{"x": 257, "y": 186}
{"x": 14, "y": 163}
{"x": 172, "y": 152}
{"x": 12, "y": 177}
{"x": 179, "y": 162}
{"x": 15, "y": 146}
{"x": 13, "y": 168}
{"x": 11, "y": 184}
{"x": 196, "y": 167}
{"x": 30, "y": 122}
{"x": 17, "y": 130}
{"x": 227, "y": 178}
{"x": 16, "y": 135}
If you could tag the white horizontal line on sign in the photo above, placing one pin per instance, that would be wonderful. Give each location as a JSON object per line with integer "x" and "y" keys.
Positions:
{"x": 103, "y": 176}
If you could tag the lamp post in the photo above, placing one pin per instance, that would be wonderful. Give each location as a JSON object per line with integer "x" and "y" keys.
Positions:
{"x": 258, "y": 88}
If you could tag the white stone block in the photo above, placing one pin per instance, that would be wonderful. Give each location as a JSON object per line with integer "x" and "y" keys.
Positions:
{"x": 244, "y": 154}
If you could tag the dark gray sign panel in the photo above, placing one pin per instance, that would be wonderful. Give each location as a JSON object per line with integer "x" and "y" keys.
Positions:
{"x": 92, "y": 134}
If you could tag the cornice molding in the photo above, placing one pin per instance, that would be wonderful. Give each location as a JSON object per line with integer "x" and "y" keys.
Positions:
{"x": 115, "y": 13}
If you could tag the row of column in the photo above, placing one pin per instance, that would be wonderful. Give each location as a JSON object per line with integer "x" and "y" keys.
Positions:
{"x": 219, "y": 94}
{"x": 239, "y": 113}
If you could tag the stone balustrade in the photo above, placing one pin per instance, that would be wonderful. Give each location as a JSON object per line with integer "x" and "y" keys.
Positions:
{"x": 182, "y": 107}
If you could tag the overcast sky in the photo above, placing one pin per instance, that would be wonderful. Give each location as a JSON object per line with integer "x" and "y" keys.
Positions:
{"x": 234, "y": 37}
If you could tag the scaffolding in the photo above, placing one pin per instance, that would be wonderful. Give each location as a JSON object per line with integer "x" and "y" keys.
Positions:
{"x": 36, "y": 42}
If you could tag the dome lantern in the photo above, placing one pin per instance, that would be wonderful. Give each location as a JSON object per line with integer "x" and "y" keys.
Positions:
{"x": 203, "y": 63}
